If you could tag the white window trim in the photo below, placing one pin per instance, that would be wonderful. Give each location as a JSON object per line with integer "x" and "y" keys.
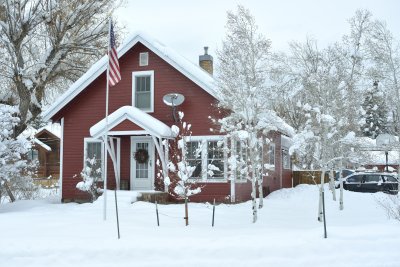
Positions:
{"x": 141, "y": 63}
{"x": 204, "y": 139}
{"x": 144, "y": 73}
{"x": 87, "y": 140}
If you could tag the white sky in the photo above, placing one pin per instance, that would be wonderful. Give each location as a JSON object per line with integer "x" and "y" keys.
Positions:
{"x": 187, "y": 25}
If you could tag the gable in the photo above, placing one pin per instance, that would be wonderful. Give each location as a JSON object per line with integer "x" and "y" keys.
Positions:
{"x": 127, "y": 125}
{"x": 193, "y": 72}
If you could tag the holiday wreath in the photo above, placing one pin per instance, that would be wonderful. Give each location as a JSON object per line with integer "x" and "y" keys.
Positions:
{"x": 141, "y": 155}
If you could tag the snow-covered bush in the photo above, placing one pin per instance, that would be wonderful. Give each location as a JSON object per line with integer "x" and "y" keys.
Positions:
{"x": 181, "y": 185}
{"x": 391, "y": 204}
{"x": 180, "y": 182}
{"x": 90, "y": 175}
{"x": 15, "y": 172}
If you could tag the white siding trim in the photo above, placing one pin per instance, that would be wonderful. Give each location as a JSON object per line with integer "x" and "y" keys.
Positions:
{"x": 94, "y": 140}
{"x": 60, "y": 181}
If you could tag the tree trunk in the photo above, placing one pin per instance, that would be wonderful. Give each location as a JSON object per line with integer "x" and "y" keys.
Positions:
{"x": 260, "y": 193}
{"x": 8, "y": 190}
{"x": 341, "y": 191}
{"x": 253, "y": 198}
{"x": 321, "y": 189}
{"x": 186, "y": 212}
{"x": 332, "y": 184}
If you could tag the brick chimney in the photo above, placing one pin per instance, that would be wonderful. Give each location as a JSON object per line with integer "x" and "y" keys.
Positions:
{"x": 206, "y": 61}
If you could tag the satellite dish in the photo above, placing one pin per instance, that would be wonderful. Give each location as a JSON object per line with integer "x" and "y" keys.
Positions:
{"x": 173, "y": 99}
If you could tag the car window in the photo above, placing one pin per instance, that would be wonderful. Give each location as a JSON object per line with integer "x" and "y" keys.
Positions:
{"x": 372, "y": 178}
{"x": 390, "y": 179}
{"x": 354, "y": 179}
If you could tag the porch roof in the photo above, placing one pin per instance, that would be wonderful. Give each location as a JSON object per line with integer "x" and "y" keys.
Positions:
{"x": 150, "y": 124}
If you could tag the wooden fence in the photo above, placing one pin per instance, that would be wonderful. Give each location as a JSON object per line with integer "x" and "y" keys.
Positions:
{"x": 308, "y": 177}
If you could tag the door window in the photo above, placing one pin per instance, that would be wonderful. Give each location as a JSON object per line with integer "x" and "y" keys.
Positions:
{"x": 142, "y": 169}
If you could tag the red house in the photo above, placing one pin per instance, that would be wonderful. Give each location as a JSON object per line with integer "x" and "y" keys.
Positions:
{"x": 140, "y": 120}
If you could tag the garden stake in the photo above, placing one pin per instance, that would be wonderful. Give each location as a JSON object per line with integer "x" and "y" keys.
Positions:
{"x": 213, "y": 213}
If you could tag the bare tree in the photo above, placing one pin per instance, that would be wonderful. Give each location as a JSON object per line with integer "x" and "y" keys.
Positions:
{"x": 45, "y": 44}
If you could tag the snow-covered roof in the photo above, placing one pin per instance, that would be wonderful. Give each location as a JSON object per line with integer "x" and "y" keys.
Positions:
{"x": 186, "y": 67}
{"x": 40, "y": 143}
{"x": 136, "y": 116}
{"x": 53, "y": 128}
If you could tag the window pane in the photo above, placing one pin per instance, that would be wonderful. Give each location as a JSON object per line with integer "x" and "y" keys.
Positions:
{"x": 390, "y": 179}
{"x": 354, "y": 179}
{"x": 215, "y": 160}
{"x": 271, "y": 154}
{"x": 93, "y": 150}
{"x": 193, "y": 157}
{"x": 285, "y": 159}
{"x": 372, "y": 178}
{"x": 142, "y": 100}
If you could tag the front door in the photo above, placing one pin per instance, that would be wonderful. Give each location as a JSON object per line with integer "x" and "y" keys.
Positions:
{"x": 142, "y": 169}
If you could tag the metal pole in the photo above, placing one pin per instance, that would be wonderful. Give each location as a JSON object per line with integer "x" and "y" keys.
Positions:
{"x": 213, "y": 213}
{"x": 387, "y": 166}
{"x": 116, "y": 212}
{"x": 105, "y": 138}
{"x": 186, "y": 212}
{"x": 323, "y": 208}
{"x": 158, "y": 220}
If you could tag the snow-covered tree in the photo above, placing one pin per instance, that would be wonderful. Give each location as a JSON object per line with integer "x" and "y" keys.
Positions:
{"x": 90, "y": 175}
{"x": 14, "y": 169}
{"x": 242, "y": 78}
{"x": 180, "y": 182}
{"x": 330, "y": 77}
{"x": 45, "y": 44}
{"x": 384, "y": 50}
{"x": 375, "y": 112}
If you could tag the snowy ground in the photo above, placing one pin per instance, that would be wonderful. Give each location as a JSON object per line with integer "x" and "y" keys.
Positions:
{"x": 45, "y": 233}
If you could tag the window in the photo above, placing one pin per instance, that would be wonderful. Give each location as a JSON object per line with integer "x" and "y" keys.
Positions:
{"x": 390, "y": 179}
{"x": 143, "y": 59}
{"x": 207, "y": 154}
{"x": 354, "y": 179}
{"x": 143, "y": 90}
{"x": 94, "y": 149}
{"x": 372, "y": 178}
{"x": 271, "y": 154}
{"x": 193, "y": 157}
{"x": 33, "y": 155}
{"x": 285, "y": 159}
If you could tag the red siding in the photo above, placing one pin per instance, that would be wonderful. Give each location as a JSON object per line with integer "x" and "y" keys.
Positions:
{"x": 89, "y": 107}
{"x": 127, "y": 125}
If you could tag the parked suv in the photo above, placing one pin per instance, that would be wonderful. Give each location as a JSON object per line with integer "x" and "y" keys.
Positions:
{"x": 371, "y": 182}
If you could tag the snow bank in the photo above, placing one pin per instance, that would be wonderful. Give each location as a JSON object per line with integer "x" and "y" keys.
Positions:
{"x": 287, "y": 234}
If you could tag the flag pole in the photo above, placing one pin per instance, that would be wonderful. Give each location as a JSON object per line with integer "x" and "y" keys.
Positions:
{"x": 105, "y": 137}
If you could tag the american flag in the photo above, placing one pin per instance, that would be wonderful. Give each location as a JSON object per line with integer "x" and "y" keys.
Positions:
{"x": 113, "y": 65}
